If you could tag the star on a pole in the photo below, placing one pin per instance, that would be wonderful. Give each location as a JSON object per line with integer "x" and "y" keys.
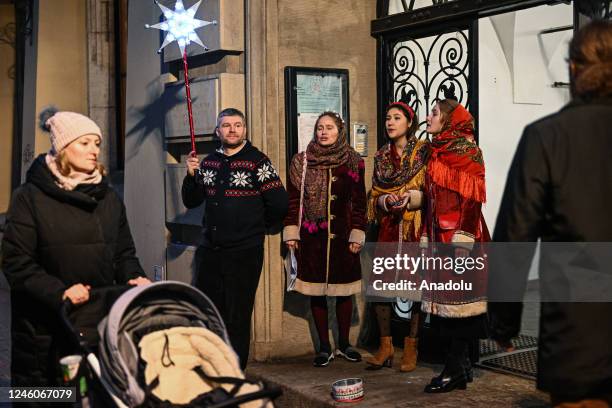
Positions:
{"x": 180, "y": 25}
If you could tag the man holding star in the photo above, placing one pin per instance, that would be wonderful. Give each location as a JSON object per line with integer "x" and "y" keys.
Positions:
{"x": 243, "y": 193}
{"x": 244, "y": 196}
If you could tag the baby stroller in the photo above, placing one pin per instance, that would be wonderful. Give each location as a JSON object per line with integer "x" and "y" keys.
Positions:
{"x": 165, "y": 345}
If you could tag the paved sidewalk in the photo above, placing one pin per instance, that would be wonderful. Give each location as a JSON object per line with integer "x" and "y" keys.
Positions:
{"x": 305, "y": 386}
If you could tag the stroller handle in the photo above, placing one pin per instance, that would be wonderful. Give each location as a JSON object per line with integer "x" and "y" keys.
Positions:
{"x": 101, "y": 296}
{"x": 64, "y": 314}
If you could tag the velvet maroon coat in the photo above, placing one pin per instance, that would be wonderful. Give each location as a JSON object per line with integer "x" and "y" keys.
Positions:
{"x": 325, "y": 264}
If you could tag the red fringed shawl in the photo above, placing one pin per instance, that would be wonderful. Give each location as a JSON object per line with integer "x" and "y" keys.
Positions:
{"x": 456, "y": 161}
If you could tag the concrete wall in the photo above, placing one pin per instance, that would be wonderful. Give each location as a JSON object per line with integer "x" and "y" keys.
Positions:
{"x": 516, "y": 88}
{"x": 332, "y": 34}
{"x": 61, "y": 77}
{"x": 144, "y": 144}
{"x": 502, "y": 115}
{"x": 7, "y": 86}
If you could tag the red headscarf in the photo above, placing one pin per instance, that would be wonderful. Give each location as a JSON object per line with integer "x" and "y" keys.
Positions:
{"x": 456, "y": 161}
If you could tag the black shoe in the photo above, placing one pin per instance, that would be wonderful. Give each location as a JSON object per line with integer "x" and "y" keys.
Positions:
{"x": 349, "y": 353}
{"x": 322, "y": 359}
{"x": 446, "y": 383}
{"x": 469, "y": 374}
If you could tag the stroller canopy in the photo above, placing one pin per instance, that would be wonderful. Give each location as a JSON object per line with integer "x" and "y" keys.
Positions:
{"x": 143, "y": 310}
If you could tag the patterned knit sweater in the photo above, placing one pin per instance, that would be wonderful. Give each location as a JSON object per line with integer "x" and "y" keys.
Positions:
{"x": 244, "y": 195}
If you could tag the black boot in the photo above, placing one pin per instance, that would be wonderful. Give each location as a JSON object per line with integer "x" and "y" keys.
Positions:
{"x": 454, "y": 374}
{"x": 447, "y": 382}
{"x": 469, "y": 371}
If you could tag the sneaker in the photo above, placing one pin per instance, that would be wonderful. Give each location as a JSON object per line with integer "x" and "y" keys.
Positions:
{"x": 350, "y": 354}
{"x": 322, "y": 359}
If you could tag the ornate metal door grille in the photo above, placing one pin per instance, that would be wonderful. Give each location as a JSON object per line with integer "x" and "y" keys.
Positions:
{"x": 595, "y": 9}
{"x": 422, "y": 69}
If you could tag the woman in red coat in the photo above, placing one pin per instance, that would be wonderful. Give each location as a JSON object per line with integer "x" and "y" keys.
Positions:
{"x": 325, "y": 226}
{"x": 395, "y": 205}
{"x": 455, "y": 191}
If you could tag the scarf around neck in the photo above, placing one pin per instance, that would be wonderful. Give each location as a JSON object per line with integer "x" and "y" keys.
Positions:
{"x": 319, "y": 159}
{"x": 387, "y": 175}
{"x": 74, "y": 178}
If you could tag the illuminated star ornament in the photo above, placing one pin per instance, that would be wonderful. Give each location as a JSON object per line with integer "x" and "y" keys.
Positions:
{"x": 180, "y": 25}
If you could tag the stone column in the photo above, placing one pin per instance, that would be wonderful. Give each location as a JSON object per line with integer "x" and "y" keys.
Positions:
{"x": 262, "y": 85}
{"x": 101, "y": 75}
{"x": 145, "y": 157}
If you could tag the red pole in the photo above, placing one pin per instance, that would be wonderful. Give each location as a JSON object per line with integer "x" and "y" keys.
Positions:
{"x": 189, "y": 110}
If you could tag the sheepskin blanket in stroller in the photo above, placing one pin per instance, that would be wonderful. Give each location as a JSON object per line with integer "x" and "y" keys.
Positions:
{"x": 176, "y": 357}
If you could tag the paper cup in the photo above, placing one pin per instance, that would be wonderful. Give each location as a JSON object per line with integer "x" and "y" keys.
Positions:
{"x": 70, "y": 366}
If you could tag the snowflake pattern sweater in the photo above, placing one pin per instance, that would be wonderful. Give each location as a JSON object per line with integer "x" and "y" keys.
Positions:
{"x": 243, "y": 196}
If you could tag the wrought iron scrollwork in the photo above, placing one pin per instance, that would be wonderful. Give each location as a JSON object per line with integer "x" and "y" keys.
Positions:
{"x": 8, "y": 36}
{"x": 410, "y": 6}
{"x": 427, "y": 69}
{"x": 596, "y": 9}
{"x": 24, "y": 10}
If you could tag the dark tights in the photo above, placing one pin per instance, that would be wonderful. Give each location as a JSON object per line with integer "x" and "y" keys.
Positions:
{"x": 383, "y": 316}
{"x": 344, "y": 312}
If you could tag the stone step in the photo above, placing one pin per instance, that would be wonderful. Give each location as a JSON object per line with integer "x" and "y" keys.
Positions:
{"x": 305, "y": 386}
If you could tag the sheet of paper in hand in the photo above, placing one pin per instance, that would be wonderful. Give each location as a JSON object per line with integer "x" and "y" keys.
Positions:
{"x": 291, "y": 269}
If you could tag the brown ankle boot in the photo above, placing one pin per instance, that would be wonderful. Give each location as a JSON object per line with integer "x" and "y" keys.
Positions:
{"x": 384, "y": 355}
{"x": 409, "y": 358}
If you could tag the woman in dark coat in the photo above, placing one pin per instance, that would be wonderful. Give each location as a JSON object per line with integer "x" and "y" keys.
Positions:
{"x": 327, "y": 206}
{"x": 559, "y": 190}
{"x": 66, "y": 233}
{"x": 455, "y": 192}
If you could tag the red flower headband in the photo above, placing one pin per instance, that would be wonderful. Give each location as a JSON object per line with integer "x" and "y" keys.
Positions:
{"x": 404, "y": 107}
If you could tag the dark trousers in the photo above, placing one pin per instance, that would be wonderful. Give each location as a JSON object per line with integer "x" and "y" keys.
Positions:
{"x": 230, "y": 279}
